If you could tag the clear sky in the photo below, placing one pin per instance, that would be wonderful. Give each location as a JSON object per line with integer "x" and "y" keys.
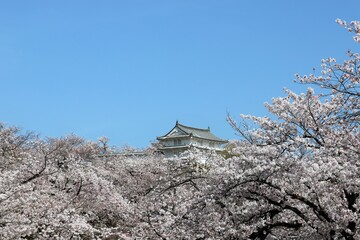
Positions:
{"x": 129, "y": 69}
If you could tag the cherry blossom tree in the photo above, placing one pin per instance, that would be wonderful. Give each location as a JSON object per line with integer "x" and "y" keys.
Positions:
{"x": 48, "y": 189}
{"x": 303, "y": 177}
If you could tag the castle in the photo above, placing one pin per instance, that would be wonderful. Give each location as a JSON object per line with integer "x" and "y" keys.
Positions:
{"x": 181, "y": 138}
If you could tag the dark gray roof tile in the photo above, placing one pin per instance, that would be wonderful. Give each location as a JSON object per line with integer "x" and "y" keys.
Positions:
{"x": 198, "y": 132}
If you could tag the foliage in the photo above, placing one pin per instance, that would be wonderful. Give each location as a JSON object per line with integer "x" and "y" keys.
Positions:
{"x": 293, "y": 176}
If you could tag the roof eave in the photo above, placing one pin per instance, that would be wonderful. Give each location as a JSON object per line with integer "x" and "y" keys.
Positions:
{"x": 174, "y": 147}
{"x": 172, "y": 137}
{"x": 214, "y": 140}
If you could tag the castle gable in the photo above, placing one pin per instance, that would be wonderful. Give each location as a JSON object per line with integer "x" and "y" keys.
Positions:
{"x": 176, "y": 132}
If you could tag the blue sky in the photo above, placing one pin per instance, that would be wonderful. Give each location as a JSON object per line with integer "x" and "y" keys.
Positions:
{"x": 129, "y": 69}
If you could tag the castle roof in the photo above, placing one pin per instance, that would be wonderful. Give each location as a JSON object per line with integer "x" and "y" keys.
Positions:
{"x": 181, "y": 130}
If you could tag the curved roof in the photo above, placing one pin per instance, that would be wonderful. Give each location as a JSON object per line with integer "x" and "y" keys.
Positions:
{"x": 203, "y": 133}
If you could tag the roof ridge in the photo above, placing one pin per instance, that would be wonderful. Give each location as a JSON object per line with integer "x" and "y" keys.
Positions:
{"x": 201, "y": 129}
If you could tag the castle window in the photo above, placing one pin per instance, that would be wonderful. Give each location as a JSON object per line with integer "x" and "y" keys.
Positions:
{"x": 177, "y": 142}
